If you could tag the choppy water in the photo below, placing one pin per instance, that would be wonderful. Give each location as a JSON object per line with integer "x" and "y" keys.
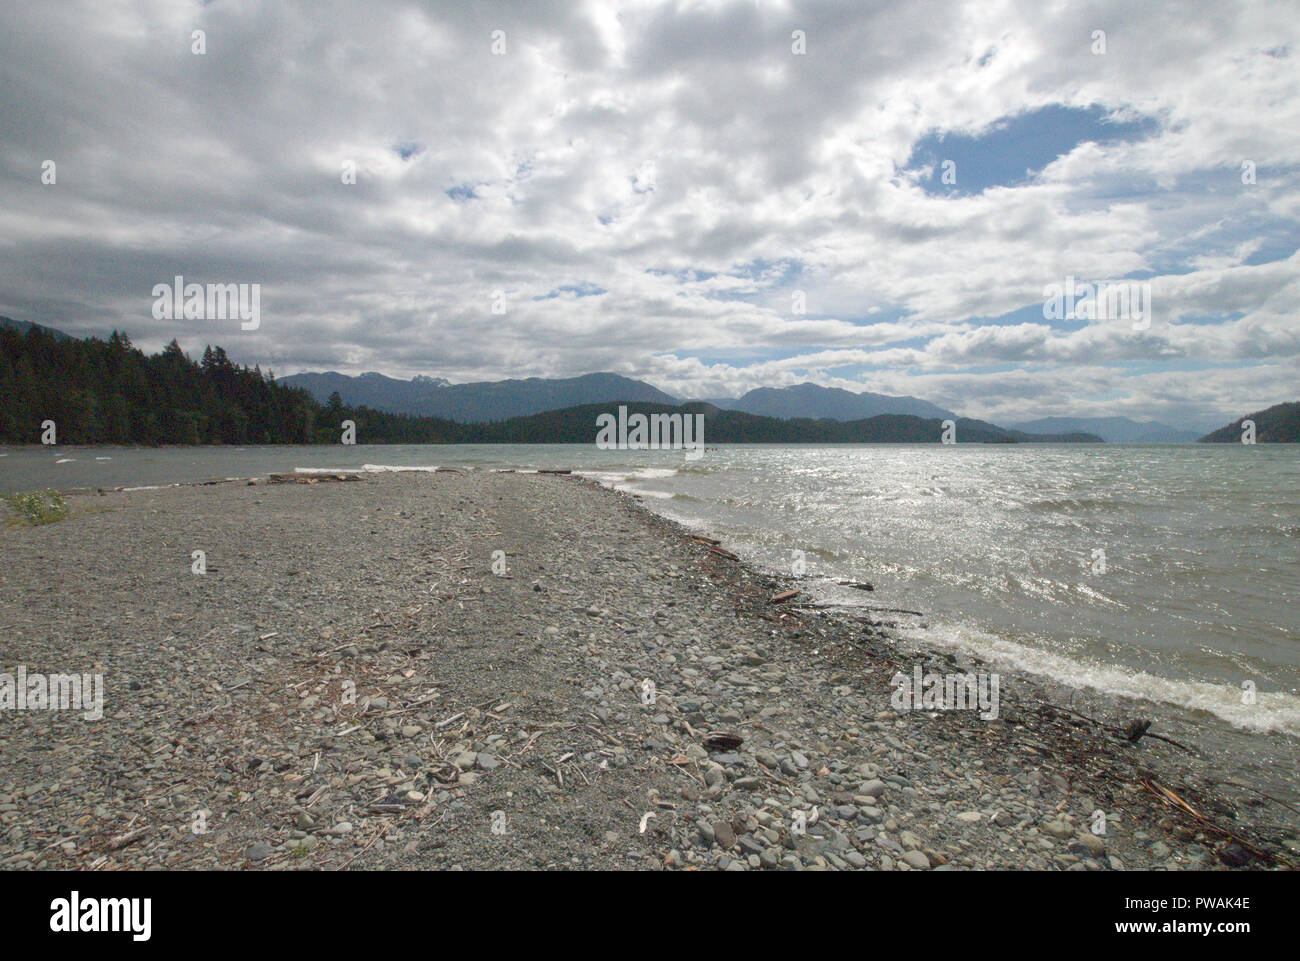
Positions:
{"x": 999, "y": 546}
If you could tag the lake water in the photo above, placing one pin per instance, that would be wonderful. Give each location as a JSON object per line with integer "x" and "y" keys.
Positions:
{"x": 1170, "y": 572}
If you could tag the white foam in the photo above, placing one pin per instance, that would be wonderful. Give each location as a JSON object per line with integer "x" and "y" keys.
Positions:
{"x": 65, "y": 460}
{"x": 608, "y": 478}
{"x": 693, "y": 523}
{"x": 1272, "y": 711}
{"x": 389, "y": 468}
{"x": 623, "y": 480}
{"x": 1097, "y": 596}
{"x": 619, "y": 479}
{"x": 368, "y": 468}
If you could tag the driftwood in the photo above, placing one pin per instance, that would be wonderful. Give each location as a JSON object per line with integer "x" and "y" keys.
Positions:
{"x": 1132, "y": 732}
{"x": 723, "y": 741}
{"x": 122, "y": 840}
{"x": 310, "y": 478}
{"x": 1168, "y": 796}
{"x": 783, "y": 596}
{"x": 889, "y": 610}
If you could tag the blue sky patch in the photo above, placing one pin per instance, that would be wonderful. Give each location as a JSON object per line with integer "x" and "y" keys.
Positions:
{"x": 1014, "y": 149}
{"x": 408, "y": 149}
{"x": 578, "y": 290}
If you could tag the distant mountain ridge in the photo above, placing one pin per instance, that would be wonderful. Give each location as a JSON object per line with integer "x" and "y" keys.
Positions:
{"x": 488, "y": 401}
{"x": 1279, "y": 424}
{"x": 371, "y": 389}
{"x": 1113, "y": 430}
{"x": 477, "y": 402}
{"x": 817, "y": 402}
{"x": 498, "y": 400}
{"x": 574, "y": 425}
{"x": 22, "y": 326}
{"x": 108, "y": 391}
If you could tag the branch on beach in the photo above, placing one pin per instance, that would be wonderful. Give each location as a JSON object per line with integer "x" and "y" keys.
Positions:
{"x": 1132, "y": 732}
{"x": 1170, "y": 798}
{"x": 889, "y": 610}
{"x": 1140, "y": 728}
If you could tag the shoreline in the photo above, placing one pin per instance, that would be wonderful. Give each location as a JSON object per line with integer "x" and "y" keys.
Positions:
{"x": 1056, "y": 697}
{"x": 587, "y": 772}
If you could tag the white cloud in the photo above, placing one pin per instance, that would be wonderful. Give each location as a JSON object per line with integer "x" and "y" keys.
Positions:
{"x": 677, "y": 156}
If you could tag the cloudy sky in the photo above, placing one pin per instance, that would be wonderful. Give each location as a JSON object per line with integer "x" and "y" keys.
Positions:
{"x": 657, "y": 188}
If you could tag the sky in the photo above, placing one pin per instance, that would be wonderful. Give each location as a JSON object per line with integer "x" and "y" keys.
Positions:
{"x": 710, "y": 196}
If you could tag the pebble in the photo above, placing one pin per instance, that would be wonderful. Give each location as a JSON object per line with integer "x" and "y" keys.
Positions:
{"x": 917, "y": 860}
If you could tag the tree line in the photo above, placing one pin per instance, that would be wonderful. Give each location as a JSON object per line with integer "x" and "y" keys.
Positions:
{"x": 110, "y": 392}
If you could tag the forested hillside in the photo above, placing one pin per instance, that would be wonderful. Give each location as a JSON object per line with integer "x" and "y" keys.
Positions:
{"x": 1279, "y": 424}
{"x": 109, "y": 392}
{"x": 99, "y": 391}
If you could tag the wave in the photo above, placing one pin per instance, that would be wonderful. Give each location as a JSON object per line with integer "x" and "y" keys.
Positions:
{"x": 389, "y": 468}
{"x": 1065, "y": 505}
{"x": 630, "y": 473}
{"x": 1271, "y": 712}
{"x": 367, "y": 469}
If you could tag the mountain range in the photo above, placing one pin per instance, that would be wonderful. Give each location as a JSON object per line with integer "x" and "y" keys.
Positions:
{"x": 1113, "y": 430}
{"x": 474, "y": 403}
{"x": 573, "y": 425}
{"x": 111, "y": 392}
{"x": 817, "y": 402}
{"x": 489, "y": 401}
{"x": 500, "y": 400}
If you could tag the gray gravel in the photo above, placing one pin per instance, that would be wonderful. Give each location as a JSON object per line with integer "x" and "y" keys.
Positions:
{"x": 563, "y": 715}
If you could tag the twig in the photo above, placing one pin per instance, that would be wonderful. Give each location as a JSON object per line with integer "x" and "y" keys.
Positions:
{"x": 122, "y": 840}
{"x": 364, "y": 849}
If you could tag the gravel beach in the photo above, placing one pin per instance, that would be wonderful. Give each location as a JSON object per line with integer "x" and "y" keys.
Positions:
{"x": 359, "y": 681}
